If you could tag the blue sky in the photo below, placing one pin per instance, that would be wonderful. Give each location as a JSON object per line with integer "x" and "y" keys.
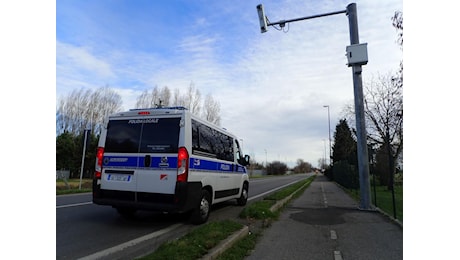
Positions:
{"x": 271, "y": 87}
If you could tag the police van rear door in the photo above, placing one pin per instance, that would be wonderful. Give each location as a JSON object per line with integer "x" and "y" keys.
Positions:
{"x": 141, "y": 154}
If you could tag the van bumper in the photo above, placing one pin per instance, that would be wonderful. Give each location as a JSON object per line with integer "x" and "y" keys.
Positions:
{"x": 186, "y": 197}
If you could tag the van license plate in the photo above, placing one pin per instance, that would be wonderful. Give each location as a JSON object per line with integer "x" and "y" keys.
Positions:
{"x": 118, "y": 177}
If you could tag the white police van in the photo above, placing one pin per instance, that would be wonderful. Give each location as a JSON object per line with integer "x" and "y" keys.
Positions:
{"x": 168, "y": 160}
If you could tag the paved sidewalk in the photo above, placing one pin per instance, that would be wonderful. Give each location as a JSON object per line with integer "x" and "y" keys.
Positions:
{"x": 325, "y": 223}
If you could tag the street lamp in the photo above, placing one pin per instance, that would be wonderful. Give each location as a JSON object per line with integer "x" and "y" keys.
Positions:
{"x": 329, "y": 120}
{"x": 324, "y": 163}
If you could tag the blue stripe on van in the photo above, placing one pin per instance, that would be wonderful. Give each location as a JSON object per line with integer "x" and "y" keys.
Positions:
{"x": 207, "y": 165}
{"x": 161, "y": 162}
{"x": 120, "y": 161}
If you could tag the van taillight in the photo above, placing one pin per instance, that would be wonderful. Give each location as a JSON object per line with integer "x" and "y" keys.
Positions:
{"x": 182, "y": 165}
{"x": 99, "y": 157}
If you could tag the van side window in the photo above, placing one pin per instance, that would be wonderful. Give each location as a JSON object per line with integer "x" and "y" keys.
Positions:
{"x": 210, "y": 142}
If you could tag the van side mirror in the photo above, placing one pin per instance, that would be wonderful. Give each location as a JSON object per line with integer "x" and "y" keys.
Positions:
{"x": 246, "y": 159}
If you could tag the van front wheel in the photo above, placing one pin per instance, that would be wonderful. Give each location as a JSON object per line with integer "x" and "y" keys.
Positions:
{"x": 243, "y": 199}
{"x": 201, "y": 213}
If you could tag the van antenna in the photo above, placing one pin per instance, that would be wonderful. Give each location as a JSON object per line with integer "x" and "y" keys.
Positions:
{"x": 159, "y": 105}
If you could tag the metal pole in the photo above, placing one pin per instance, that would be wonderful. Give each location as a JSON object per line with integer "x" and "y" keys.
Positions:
{"x": 391, "y": 164}
{"x": 329, "y": 122}
{"x": 363, "y": 161}
{"x": 324, "y": 163}
{"x": 83, "y": 159}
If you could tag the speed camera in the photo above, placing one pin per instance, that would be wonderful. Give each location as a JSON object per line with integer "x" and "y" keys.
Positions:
{"x": 262, "y": 18}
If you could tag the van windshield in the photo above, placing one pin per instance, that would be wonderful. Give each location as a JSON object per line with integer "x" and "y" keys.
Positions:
{"x": 151, "y": 135}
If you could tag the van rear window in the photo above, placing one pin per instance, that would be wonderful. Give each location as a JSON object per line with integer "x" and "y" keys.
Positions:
{"x": 152, "y": 135}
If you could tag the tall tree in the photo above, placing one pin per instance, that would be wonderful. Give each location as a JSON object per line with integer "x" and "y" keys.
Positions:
{"x": 344, "y": 148}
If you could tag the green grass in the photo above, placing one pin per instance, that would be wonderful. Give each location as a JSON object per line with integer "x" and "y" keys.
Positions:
{"x": 385, "y": 199}
{"x": 259, "y": 210}
{"x": 72, "y": 186}
{"x": 197, "y": 243}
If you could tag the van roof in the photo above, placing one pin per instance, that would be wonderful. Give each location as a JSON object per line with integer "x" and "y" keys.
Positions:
{"x": 165, "y": 111}
{"x": 151, "y": 111}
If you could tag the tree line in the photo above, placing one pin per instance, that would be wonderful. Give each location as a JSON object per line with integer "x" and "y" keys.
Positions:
{"x": 85, "y": 109}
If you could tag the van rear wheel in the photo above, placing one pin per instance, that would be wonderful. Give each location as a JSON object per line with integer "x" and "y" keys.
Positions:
{"x": 201, "y": 212}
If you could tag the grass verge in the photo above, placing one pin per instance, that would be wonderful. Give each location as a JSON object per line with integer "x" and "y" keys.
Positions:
{"x": 72, "y": 186}
{"x": 202, "y": 239}
{"x": 261, "y": 209}
{"x": 197, "y": 243}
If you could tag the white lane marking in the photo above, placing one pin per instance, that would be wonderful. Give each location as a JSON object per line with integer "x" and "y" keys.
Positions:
{"x": 324, "y": 195}
{"x": 267, "y": 192}
{"x": 74, "y": 205}
{"x": 337, "y": 255}
{"x": 118, "y": 248}
{"x": 333, "y": 235}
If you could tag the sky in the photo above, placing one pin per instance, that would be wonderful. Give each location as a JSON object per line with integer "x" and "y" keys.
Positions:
{"x": 272, "y": 87}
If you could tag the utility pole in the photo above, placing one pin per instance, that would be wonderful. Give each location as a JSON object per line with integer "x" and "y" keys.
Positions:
{"x": 357, "y": 56}
{"x": 363, "y": 158}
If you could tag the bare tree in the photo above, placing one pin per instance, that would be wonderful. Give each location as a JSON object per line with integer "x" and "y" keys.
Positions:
{"x": 211, "y": 110}
{"x": 84, "y": 109}
{"x": 165, "y": 96}
{"x": 107, "y": 102}
{"x": 398, "y": 25}
{"x": 190, "y": 99}
{"x": 193, "y": 99}
{"x": 157, "y": 97}
{"x": 384, "y": 113}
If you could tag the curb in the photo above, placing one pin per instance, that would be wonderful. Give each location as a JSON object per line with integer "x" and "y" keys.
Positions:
{"x": 226, "y": 244}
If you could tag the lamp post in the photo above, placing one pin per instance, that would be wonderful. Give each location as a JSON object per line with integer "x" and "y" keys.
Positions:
{"x": 324, "y": 162}
{"x": 329, "y": 123}
{"x": 265, "y": 158}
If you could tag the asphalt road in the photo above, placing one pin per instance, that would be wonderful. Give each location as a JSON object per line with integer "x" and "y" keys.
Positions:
{"x": 92, "y": 231}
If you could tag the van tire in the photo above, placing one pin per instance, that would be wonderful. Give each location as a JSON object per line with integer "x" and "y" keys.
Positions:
{"x": 244, "y": 196}
{"x": 201, "y": 213}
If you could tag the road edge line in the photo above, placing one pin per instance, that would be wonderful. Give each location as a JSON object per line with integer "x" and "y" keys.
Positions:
{"x": 120, "y": 247}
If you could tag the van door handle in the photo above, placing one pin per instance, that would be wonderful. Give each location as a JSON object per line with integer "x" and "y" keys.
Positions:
{"x": 147, "y": 160}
